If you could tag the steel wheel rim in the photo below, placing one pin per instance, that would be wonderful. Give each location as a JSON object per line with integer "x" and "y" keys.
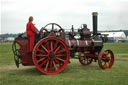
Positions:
{"x": 51, "y": 55}
{"x": 106, "y": 59}
{"x": 15, "y": 52}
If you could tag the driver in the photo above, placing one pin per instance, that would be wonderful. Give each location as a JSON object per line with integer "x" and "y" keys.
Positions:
{"x": 31, "y": 32}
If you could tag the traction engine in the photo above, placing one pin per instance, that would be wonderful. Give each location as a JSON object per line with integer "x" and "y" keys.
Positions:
{"x": 53, "y": 48}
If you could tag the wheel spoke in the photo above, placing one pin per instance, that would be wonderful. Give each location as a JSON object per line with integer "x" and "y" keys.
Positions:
{"x": 41, "y": 55}
{"x": 58, "y": 48}
{"x": 102, "y": 58}
{"x": 50, "y": 65}
{"x": 47, "y": 45}
{"x": 81, "y": 59}
{"x": 108, "y": 55}
{"x": 41, "y": 59}
{"x": 60, "y": 59}
{"x": 41, "y": 51}
{"x": 109, "y": 61}
{"x": 64, "y": 50}
{"x": 101, "y": 61}
{"x": 85, "y": 57}
{"x": 55, "y": 65}
{"x": 44, "y": 48}
{"x": 51, "y": 46}
{"x": 57, "y": 62}
{"x": 44, "y": 62}
{"x": 60, "y": 55}
{"x": 104, "y": 64}
{"x": 46, "y": 67}
{"x": 111, "y": 56}
{"x": 52, "y": 27}
{"x": 55, "y": 45}
{"x": 84, "y": 61}
{"x": 88, "y": 60}
{"x": 108, "y": 64}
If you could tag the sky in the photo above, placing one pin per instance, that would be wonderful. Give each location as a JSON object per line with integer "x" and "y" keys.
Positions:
{"x": 112, "y": 14}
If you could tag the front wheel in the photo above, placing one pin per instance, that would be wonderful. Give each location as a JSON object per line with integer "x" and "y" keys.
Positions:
{"x": 106, "y": 59}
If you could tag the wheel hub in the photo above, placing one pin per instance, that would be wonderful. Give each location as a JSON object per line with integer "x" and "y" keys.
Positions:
{"x": 107, "y": 60}
{"x": 51, "y": 55}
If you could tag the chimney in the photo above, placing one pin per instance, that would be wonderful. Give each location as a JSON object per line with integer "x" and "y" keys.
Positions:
{"x": 94, "y": 17}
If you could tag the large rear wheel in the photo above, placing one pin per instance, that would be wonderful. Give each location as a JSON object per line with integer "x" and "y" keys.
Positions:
{"x": 51, "y": 55}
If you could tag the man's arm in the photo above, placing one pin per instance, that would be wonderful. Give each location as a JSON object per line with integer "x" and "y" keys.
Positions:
{"x": 33, "y": 28}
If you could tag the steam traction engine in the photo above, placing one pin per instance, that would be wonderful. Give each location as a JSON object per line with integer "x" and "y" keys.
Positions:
{"x": 52, "y": 50}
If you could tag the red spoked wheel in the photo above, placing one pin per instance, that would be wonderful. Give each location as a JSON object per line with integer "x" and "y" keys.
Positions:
{"x": 51, "y": 55}
{"x": 84, "y": 60}
{"x": 106, "y": 59}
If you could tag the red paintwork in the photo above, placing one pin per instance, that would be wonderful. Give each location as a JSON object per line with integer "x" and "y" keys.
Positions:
{"x": 24, "y": 49}
{"x": 42, "y": 59}
{"x": 103, "y": 58}
{"x": 61, "y": 37}
{"x": 30, "y": 30}
{"x": 92, "y": 55}
{"x": 78, "y": 43}
{"x": 86, "y": 33}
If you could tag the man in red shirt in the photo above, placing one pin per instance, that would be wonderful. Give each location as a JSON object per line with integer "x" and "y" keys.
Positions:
{"x": 31, "y": 32}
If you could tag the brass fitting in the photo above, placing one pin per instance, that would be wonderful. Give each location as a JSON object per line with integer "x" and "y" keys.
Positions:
{"x": 94, "y": 13}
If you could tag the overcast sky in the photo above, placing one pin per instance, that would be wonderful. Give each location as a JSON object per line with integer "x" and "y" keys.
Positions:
{"x": 113, "y": 14}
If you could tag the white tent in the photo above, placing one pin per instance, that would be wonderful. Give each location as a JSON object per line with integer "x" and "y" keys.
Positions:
{"x": 115, "y": 35}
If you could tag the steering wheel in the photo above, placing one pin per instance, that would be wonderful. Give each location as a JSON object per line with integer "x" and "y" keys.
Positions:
{"x": 53, "y": 28}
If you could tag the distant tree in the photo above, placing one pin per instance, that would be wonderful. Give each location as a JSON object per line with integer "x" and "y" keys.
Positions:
{"x": 8, "y": 35}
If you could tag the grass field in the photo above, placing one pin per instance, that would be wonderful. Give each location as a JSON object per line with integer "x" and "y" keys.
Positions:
{"x": 74, "y": 74}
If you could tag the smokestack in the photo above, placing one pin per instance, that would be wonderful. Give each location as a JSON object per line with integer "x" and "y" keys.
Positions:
{"x": 94, "y": 17}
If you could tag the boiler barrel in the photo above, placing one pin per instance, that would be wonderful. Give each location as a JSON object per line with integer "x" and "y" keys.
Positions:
{"x": 78, "y": 43}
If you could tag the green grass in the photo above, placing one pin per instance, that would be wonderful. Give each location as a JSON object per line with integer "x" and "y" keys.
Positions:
{"x": 74, "y": 74}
